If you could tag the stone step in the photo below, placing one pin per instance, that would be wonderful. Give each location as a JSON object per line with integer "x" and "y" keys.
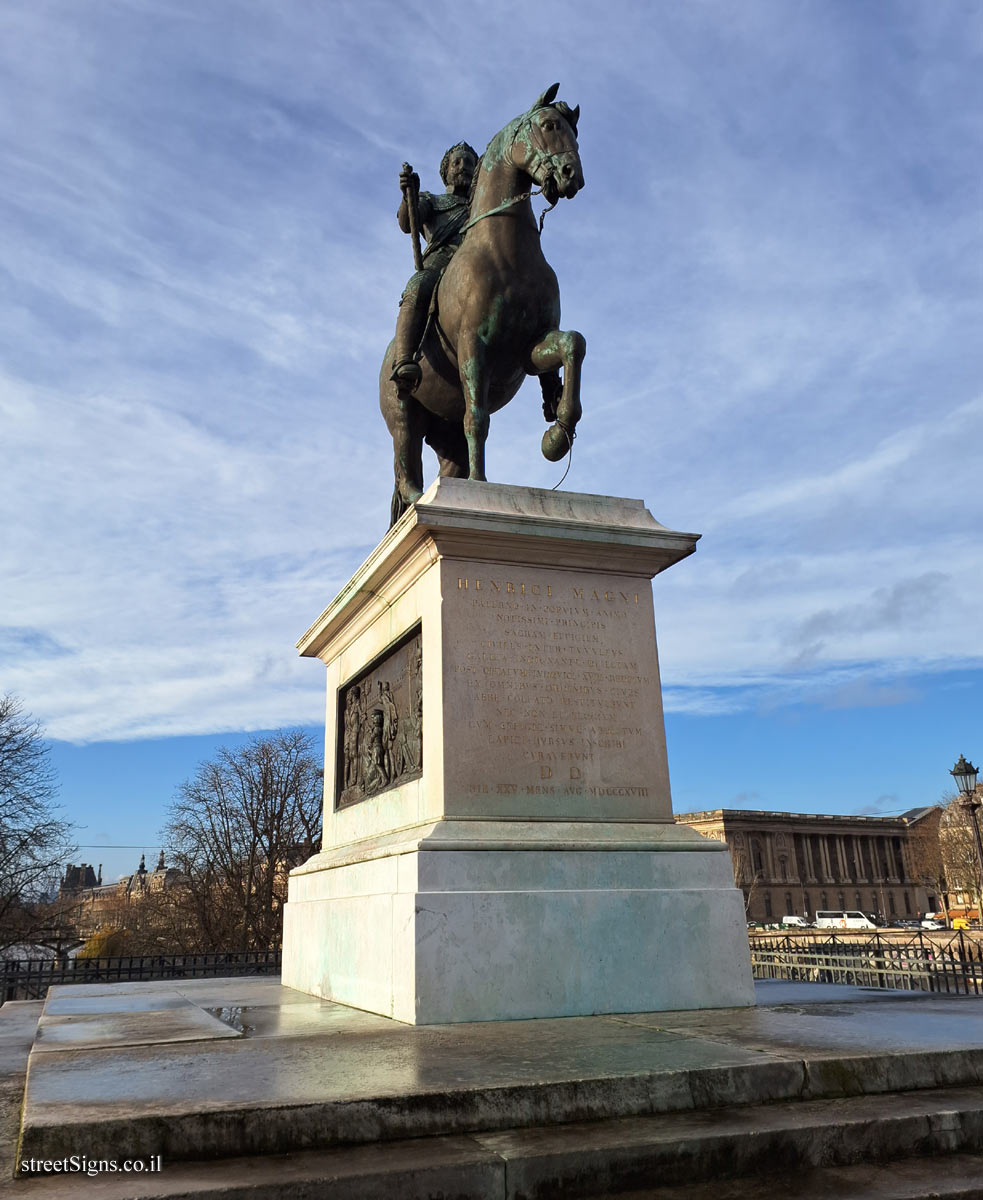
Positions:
{"x": 809, "y": 1150}
{"x": 241, "y": 1114}
{"x": 949, "y": 1177}
{"x": 613, "y": 1157}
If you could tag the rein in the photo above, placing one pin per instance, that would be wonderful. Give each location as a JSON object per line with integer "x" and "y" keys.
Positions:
{"x": 506, "y": 204}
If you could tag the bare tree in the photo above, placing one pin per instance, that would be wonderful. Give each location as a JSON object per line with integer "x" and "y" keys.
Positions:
{"x": 746, "y": 876}
{"x": 235, "y": 830}
{"x": 34, "y": 839}
{"x": 957, "y": 841}
{"x": 924, "y": 858}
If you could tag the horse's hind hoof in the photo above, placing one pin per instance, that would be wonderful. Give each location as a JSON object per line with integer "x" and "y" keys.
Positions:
{"x": 401, "y": 501}
{"x": 556, "y": 442}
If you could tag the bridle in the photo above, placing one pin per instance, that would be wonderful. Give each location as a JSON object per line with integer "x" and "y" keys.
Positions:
{"x": 540, "y": 160}
{"x": 539, "y": 155}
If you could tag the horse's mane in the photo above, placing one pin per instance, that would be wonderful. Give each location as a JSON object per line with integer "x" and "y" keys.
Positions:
{"x": 514, "y": 123}
{"x": 474, "y": 178}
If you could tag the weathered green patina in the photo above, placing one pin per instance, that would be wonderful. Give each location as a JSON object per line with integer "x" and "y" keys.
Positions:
{"x": 496, "y": 313}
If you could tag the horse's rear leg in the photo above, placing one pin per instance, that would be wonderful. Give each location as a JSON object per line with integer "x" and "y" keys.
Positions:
{"x": 407, "y": 421}
{"x": 448, "y": 442}
{"x": 561, "y": 349}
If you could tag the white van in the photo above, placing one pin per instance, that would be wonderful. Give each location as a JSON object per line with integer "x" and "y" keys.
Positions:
{"x": 840, "y": 919}
{"x": 795, "y": 923}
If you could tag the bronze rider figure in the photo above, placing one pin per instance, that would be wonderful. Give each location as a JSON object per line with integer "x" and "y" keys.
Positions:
{"x": 441, "y": 219}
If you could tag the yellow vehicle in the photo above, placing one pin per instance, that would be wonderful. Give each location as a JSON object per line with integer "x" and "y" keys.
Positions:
{"x": 960, "y": 923}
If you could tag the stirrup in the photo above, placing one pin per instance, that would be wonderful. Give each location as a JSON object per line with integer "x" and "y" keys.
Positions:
{"x": 408, "y": 373}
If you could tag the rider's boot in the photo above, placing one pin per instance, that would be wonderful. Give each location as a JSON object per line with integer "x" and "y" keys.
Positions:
{"x": 409, "y": 333}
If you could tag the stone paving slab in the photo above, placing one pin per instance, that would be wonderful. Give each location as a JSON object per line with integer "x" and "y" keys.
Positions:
{"x": 73, "y": 1022}
{"x": 18, "y": 1023}
{"x": 246, "y": 989}
{"x": 917, "y": 1021}
{"x": 306, "y": 1073}
{"x": 71, "y": 1000}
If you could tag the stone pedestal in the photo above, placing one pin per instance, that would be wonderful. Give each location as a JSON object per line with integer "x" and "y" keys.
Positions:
{"x": 498, "y": 833}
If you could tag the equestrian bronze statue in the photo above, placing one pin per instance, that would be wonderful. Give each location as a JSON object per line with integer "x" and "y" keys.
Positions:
{"x": 495, "y": 311}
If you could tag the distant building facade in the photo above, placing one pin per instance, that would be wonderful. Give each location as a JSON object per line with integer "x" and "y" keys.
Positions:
{"x": 89, "y": 904}
{"x": 79, "y": 878}
{"x": 795, "y": 864}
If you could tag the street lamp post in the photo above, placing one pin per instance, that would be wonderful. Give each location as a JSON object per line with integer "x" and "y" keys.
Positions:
{"x": 965, "y": 774}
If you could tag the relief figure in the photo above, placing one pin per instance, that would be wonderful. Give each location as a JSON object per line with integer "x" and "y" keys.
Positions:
{"x": 380, "y": 740}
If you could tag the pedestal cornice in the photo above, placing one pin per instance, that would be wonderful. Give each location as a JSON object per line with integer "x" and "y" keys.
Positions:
{"x": 503, "y": 524}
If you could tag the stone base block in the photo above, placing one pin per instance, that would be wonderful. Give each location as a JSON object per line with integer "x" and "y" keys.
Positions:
{"x": 434, "y": 937}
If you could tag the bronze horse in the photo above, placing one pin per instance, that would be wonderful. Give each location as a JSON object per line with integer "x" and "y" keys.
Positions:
{"x": 496, "y": 312}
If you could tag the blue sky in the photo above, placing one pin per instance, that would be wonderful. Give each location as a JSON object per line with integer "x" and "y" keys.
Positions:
{"x": 777, "y": 263}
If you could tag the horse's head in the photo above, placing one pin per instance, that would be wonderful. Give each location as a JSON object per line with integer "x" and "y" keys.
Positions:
{"x": 545, "y": 146}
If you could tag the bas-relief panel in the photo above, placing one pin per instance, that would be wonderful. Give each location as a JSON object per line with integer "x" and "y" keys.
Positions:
{"x": 380, "y": 725}
{"x": 557, "y": 676}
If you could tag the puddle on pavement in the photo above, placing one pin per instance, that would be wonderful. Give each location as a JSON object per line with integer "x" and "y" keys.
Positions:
{"x": 233, "y": 1016}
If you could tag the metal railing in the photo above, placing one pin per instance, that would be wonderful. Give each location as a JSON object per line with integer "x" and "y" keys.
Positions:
{"x": 29, "y": 979}
{"x": 923, "y": 962}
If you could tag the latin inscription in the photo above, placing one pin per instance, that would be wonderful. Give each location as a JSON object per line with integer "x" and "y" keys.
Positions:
{"x": 555, "y": 683}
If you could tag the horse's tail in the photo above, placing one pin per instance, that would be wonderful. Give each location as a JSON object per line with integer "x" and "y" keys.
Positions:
{"x": 397, "y": 507}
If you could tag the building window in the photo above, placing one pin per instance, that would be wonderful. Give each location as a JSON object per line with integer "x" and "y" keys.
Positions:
{"x": 756, "y": 859}
{"x": 788, "y": 904}
{"x": 907, "y": 905}
{"x": 783, "y": 869}
{"x": 890, "y": 903}
{"x": 768, "y": 912}
{"x": 842, "y": 900}
{"x": 860, "y": 902}
{"x": 807, "y": 902}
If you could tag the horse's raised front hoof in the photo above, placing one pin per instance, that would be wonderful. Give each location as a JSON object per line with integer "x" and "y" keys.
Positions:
{"x": 556, "y": 442}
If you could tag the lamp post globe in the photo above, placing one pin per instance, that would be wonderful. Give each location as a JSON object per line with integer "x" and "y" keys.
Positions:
{"x": 964, "y": 774}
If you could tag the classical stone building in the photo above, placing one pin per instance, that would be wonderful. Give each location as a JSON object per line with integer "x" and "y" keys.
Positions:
{"x": 78, "y": 879}
{"x": 800, "y": 863}
{"x": 89, "y": 904}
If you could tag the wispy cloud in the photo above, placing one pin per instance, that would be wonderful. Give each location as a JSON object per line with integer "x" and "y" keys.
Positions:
{"x": 884, "y": 805}
{"x": 781, "y": 295}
